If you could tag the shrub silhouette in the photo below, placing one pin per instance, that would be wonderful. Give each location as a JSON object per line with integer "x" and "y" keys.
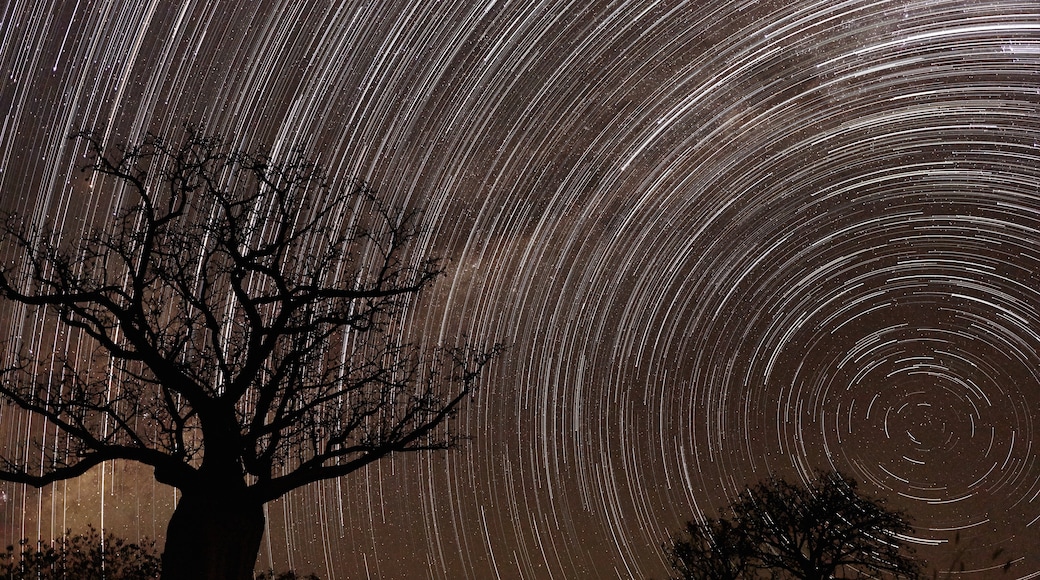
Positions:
{"x": 88, "y": 556}
{"x": 93, "y": 556}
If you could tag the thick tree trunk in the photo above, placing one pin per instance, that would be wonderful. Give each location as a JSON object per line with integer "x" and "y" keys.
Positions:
{"x": 214, "y": 534}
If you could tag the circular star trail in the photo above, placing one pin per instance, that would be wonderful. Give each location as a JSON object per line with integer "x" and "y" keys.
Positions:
{"x": 725, "y": 240}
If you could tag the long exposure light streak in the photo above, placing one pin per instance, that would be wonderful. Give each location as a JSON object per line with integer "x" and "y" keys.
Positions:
{"x": 726, "y": 239}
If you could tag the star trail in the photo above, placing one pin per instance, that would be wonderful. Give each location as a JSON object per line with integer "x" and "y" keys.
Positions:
{"x": 725, "y": 240}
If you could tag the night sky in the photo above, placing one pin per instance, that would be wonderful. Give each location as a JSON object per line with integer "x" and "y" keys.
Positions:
{"x": 725, "y": 239}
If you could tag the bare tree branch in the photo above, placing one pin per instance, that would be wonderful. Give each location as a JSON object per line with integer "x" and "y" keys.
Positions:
{"x": 239, "y": 317}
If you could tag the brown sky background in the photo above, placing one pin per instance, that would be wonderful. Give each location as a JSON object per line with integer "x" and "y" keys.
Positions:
{"x": 726, "y": 240}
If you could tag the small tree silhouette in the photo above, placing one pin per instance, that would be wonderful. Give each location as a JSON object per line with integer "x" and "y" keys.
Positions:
{"x": 237, "y": 327}
{"x": 780, "y": 530}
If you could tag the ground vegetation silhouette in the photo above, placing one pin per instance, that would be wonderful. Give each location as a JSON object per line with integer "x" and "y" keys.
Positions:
{"x": 86, "y": 556}
{"x": 95, "y": 556}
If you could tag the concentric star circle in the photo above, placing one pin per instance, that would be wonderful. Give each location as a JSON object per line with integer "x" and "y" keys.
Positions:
{"x": 725, "y": 240}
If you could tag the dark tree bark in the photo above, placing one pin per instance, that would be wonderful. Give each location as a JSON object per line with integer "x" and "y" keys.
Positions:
{"x": 212, "y": 535}
{"x": 248, "y": 311}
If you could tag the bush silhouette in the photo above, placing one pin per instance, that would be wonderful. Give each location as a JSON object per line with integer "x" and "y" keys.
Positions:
{"x": 93, "y": 556}
{"x": 88, "y": 556}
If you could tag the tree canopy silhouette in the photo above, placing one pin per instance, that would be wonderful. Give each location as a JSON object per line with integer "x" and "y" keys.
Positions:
{"x": 239, "y": 330}
{"x": 778, "y": 529}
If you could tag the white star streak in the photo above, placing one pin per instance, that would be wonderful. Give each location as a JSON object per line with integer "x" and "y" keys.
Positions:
{"x": 725, "y": 240}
